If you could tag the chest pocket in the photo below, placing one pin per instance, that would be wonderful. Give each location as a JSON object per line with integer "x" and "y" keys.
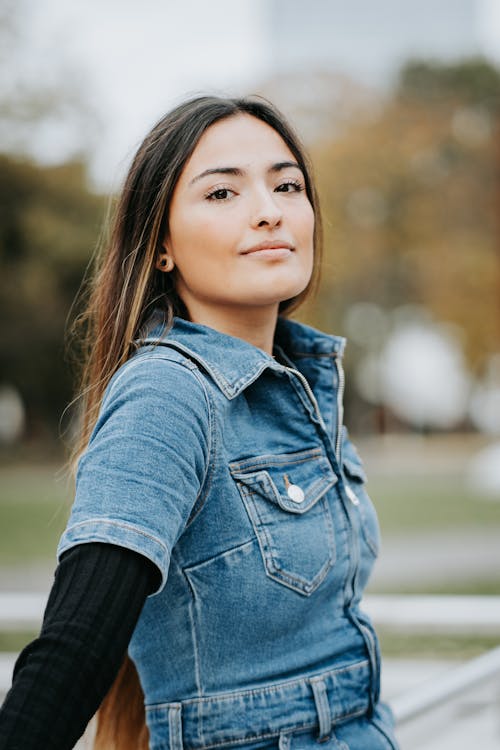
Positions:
{"x": 285, "y": 499}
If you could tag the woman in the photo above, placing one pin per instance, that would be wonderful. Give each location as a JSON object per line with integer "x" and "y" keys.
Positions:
{"x": 221, "y": 532}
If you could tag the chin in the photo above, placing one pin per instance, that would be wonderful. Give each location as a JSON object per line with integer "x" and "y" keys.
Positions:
{"x": 288, "y": 288}
{"x": 293, "y": 290}
{"x": 271, "y": 293}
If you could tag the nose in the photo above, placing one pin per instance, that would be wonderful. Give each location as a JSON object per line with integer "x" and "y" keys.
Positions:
{"x": 267, "y": 211}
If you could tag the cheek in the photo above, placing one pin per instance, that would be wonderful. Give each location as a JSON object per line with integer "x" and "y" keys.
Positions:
{"x": 200, "y": 234}
{"x": 302, "y": 220}
{"x": 200, "y": 248}
{"x": 188, "y": 243}
{"x": 309, "y": 220}
{"x": 307, "y": 224}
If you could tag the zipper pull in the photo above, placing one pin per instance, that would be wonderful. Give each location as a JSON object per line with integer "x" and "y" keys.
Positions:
{"x": 351, "y": 495}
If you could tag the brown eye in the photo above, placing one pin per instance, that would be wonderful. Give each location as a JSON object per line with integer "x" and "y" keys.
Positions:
{"x": 219, "y": 195}
{"x": 295, "y": 184}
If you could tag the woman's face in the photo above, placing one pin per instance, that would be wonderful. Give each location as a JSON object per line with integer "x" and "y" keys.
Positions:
{"x": 241, "y": 187}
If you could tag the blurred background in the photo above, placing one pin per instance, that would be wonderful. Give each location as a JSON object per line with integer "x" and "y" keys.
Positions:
{"x": 398, "y": 104}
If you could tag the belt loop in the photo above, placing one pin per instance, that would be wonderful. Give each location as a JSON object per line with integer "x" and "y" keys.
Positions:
{"x": 323, "y": 709}
{"x": 175, "y": 726}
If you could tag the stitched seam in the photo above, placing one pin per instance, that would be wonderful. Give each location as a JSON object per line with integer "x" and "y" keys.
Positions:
{"x": 229, "y": 551}
{"x": 245, "y": 380}
{"x": 278, "y": 686}
{"x": 120, "y": 524}
{"x": 188, "y": 365}
{"x": 203, "y": 491}
{"x": 170, "y": 729}
{"x": 219, "y": 379}
{"x": 229, "y": 389}
{"x": 291, "y": 728}
{"x": 258, "y": 736}
{"x": 311, "y": 454}
{"x": 302, "y": 396}
{"x": 272, "y": 568}
{"x": 313, "y": 494}
{"x": 288, "y": 729}
{"x": 211, "y": 461}
{"x": 137, "y": 360}
{"x": 194, "y": 638}
{"x": 301, "y": 583}
{"x": 263, "y": 537}
{"x": 331, "y": 529}
{"x": 264, "y": 465}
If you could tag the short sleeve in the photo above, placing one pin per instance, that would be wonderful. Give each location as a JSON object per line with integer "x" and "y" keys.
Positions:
{"x": 146, "y": 461}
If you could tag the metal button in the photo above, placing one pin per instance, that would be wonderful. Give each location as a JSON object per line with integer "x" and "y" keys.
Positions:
{"x": 295, "y": 493}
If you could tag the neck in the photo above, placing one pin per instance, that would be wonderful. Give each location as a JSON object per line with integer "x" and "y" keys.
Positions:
{"x": 255, "y": 325}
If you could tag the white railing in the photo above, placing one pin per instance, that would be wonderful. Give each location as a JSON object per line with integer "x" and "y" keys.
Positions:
{"x": 21, "y": 610}
{"x": 457, "y": 681}
{"x": 479, "y": 615}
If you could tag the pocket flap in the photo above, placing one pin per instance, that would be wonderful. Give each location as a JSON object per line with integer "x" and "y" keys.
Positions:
{"x": 294, "y": 481}
{"x": 354, "y": 469}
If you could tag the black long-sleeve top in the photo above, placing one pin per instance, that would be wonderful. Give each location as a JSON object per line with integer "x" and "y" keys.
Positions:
{"x": 62, "y": 676}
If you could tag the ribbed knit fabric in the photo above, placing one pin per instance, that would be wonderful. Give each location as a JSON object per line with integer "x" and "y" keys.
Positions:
{"x": 62, "y": 676}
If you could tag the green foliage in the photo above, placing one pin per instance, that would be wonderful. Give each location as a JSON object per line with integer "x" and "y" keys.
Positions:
{"x": 49, "y": 225}
{"x": 472, "y": 81}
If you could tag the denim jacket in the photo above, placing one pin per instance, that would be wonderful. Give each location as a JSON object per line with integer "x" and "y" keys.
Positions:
{"x": 232, "y": 471}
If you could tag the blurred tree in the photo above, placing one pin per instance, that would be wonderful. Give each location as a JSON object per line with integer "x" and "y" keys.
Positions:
{"x": 410, "y": 199}
{"x": 474, "y": 82}
{"x": 49, "y": 223}
{"x": 49, "y": 217}
{"x": 46, "y": 104}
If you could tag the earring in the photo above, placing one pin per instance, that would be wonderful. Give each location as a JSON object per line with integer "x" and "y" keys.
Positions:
{"x": 166, "y": 264}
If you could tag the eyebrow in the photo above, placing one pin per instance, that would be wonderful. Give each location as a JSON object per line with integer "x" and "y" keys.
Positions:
{"x": 238, "y": 172}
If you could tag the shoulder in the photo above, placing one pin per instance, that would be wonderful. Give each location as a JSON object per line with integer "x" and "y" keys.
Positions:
{"x": 155, "y": 385}
{"x": 158, "y": 369}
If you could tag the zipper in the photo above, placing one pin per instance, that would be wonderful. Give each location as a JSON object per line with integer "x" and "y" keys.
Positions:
{"x": 340, "y": 405}
{"x": 364, "y": 630}
{"x": 309, "y": 392}
{"x": 340, "y": 400}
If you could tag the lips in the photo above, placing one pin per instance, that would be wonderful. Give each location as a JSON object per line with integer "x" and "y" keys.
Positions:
{"x": 268, "y": 246}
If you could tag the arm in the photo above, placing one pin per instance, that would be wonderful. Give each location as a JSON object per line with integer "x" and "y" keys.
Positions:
{"x": 62, "y": 676}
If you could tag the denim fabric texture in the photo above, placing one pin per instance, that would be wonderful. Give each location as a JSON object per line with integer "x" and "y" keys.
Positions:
{"x": 232, "y": 471}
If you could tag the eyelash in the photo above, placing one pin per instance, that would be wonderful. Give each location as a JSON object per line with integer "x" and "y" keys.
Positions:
{"x": 210, "y": 196}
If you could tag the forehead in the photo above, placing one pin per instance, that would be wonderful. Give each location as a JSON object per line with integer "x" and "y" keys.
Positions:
{"x": 240, "y": 140}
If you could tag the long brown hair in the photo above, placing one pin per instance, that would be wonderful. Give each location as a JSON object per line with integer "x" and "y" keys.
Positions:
{"x": 126, "y": 287}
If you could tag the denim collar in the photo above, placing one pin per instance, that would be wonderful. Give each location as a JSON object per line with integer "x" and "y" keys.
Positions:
{"x": 234, "y": 363}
